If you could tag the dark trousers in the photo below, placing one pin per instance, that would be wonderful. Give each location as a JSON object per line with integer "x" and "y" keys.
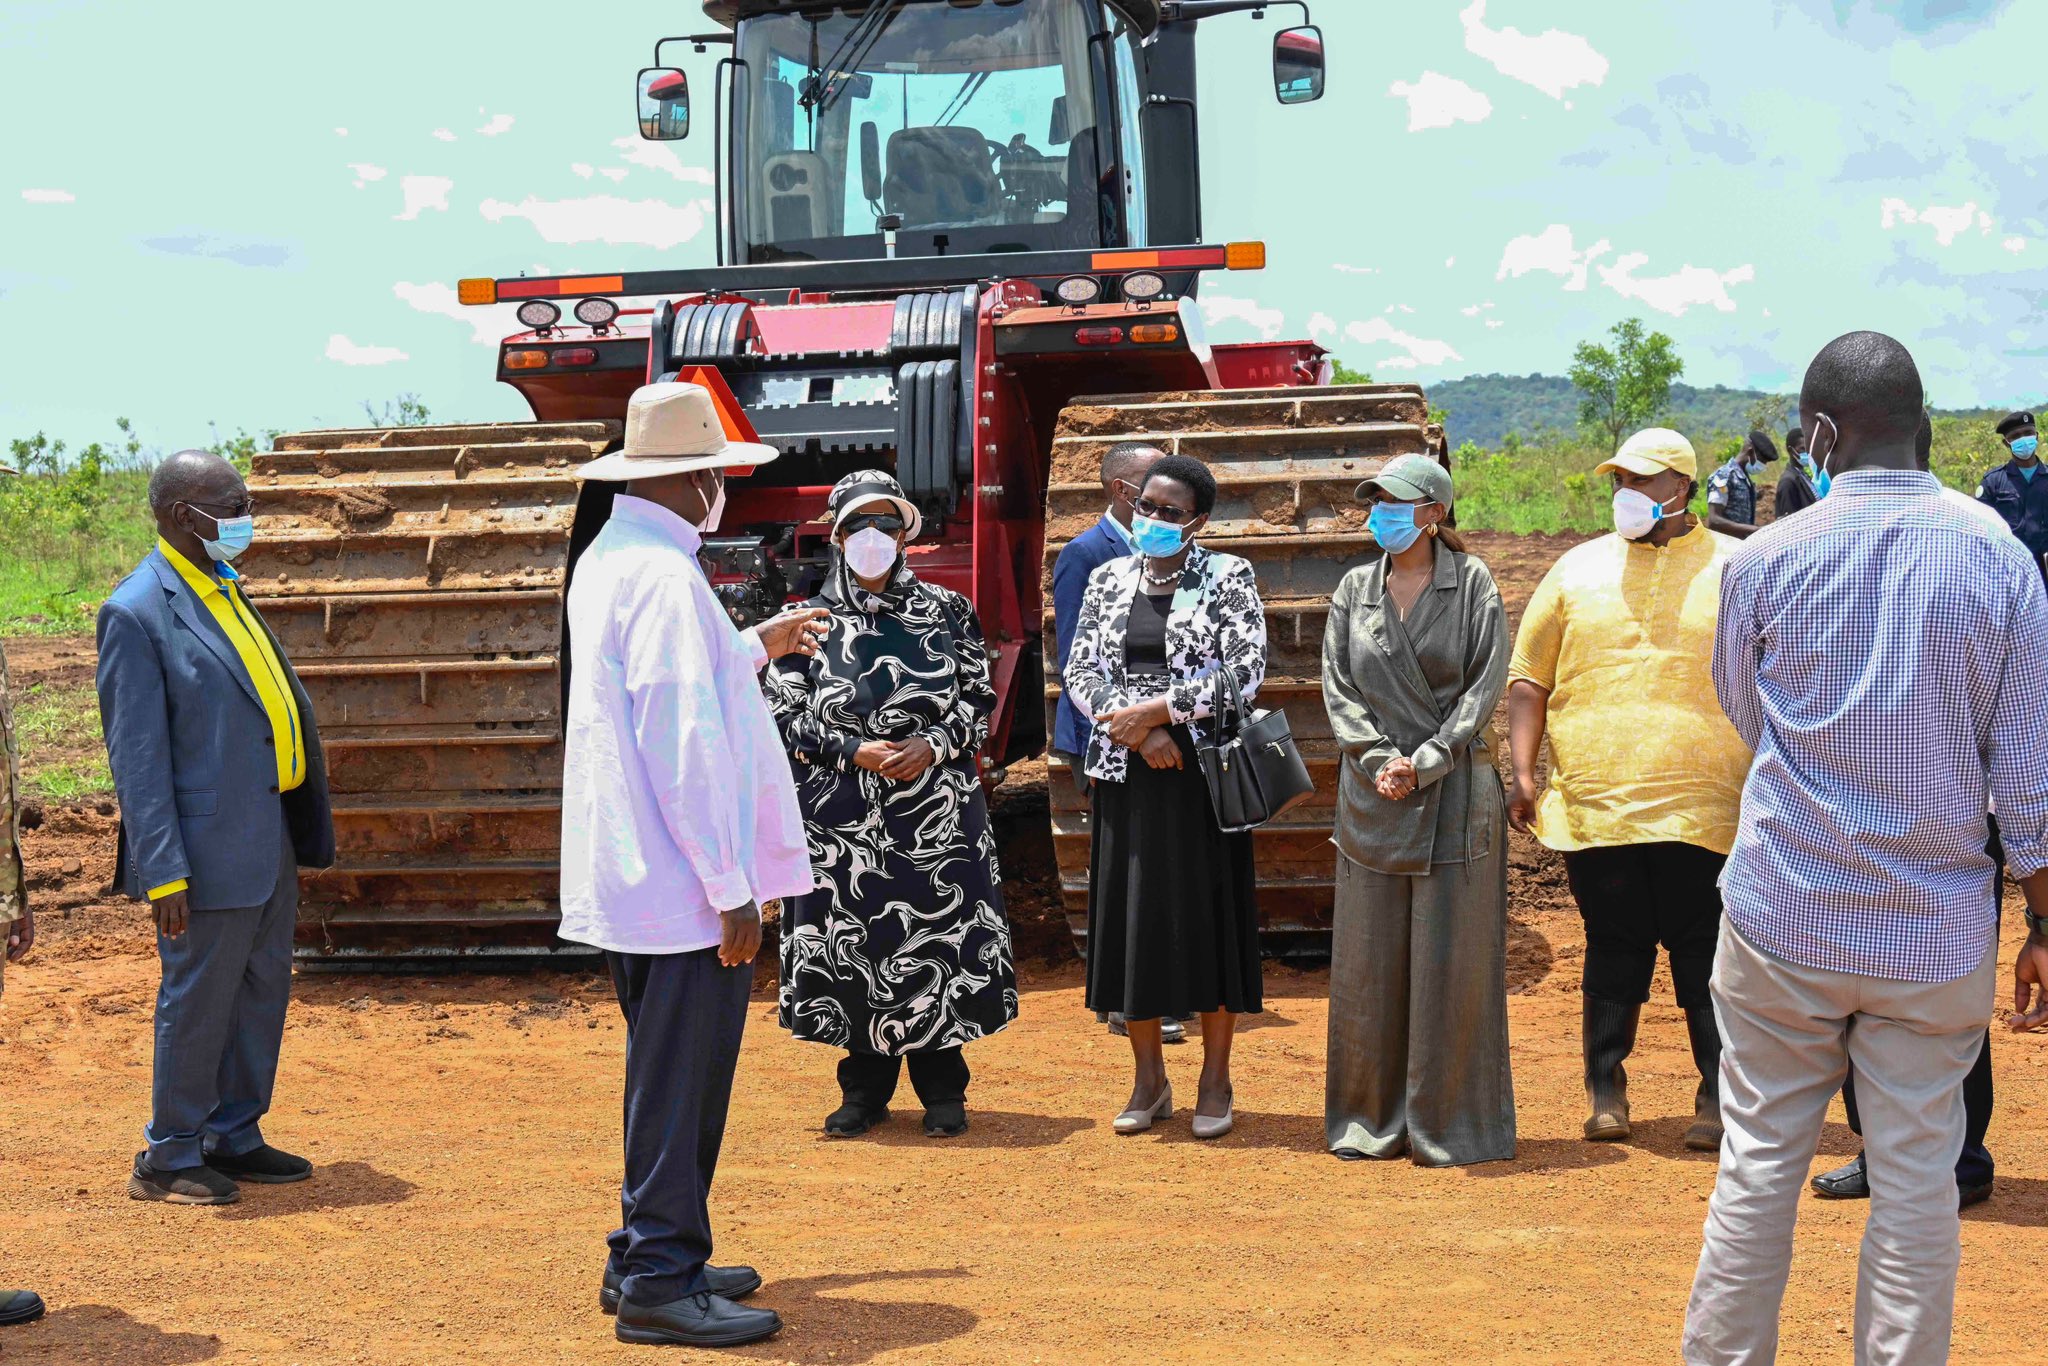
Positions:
{"x": 1634, "y": 897}
{"x": 938, "y": 1075}
{"x": 220, "y": 1025}
{"x": 684, "y": 1017}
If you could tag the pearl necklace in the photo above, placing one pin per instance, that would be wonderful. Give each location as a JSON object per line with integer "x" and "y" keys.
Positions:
{"x": 1167, "y": 580}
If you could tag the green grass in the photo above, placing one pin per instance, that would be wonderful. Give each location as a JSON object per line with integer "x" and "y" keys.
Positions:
{"x": 63, "y": 758}
{"x": 63, "y": 550}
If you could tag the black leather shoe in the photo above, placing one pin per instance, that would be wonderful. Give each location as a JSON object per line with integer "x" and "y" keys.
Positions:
{"x": 266, "y": 1166}
{"x": 1967, "y": 1196}
{"x": 947, "y": 1119}
{"x": 851, "y": 1121}
{"x": 19, "y": 1306}
{"x": 200, "y": 1185}
{"x": 1850, "y": 1182}
{"x": 695, "y": 1321}
{"x": 731, "y": 1282}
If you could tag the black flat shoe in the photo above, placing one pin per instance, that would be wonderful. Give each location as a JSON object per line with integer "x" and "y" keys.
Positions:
{"x": 694, "y": 1321}
{"x": 265, "y": 1166}
{"x": 1347, "y": 1154}
{"x": 19, "y": 1306}
{"x": 1850, "y": 1182}
{"x": 1967, "y": 1196}
{"x": 946, "y": 1120}
{"x": 200, "y": 1185}
{"x": 730, "y": 1282}
{"x": 851, "y": 1121}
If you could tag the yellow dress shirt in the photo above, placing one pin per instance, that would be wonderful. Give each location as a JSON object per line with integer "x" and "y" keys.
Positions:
{"x": 223, "y": 597}
{"x": 1621, "y": 634}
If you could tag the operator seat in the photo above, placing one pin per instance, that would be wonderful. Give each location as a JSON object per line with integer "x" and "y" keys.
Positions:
{"x": 941, "y": 177}
{"x": 1091, "y": 197}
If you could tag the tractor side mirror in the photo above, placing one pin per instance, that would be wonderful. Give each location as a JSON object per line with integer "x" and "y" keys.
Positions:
{"x": 664, "y": 100}
{"x": 871, "y": 162}
{"x": 1298, "y": 64}
{"x": 1061, "y": 130}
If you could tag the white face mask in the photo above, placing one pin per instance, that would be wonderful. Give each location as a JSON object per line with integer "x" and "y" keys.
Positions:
{"x": 1636, "y": 514}
{"x": 870, "y": 552}
{"x": 717, "y": 513}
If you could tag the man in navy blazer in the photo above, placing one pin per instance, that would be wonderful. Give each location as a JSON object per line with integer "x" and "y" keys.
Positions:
{"x": 216, "y": 761}
{"x": 1124, "y": 470}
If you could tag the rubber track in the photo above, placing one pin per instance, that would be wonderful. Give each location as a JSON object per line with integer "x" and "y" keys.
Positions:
{"x": 1286, "y": 462}
{"x": 415, "y": 575}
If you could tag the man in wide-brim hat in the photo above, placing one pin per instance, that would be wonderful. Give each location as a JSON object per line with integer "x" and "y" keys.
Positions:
{"x": 679, "y": 819}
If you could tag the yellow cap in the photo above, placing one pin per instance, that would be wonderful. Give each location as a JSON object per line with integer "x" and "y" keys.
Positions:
{"x": 1652, "y": 451}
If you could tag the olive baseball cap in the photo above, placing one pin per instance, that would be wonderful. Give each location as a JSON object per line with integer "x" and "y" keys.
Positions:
{"x": 1652, "y": 451}
{"x": 1410, "y": 477}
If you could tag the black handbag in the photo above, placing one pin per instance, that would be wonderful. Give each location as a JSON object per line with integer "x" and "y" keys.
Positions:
{"x": 1253, "y": 766}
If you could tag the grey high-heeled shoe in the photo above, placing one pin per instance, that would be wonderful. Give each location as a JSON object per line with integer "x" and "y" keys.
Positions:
{"x": 1138, "y": 1121}
{"x": 1208, "y": 1126}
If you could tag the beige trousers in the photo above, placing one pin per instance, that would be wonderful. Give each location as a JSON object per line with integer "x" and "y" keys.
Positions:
{"x": 1788, "y": 1035}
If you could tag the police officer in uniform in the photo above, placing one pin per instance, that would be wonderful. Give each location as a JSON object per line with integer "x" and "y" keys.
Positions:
{"x": 2015, "y": 490}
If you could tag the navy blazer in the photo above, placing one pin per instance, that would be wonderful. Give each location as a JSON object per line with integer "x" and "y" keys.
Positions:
{"x": 195, "y": 765}
{"x": 1096, "y": 546}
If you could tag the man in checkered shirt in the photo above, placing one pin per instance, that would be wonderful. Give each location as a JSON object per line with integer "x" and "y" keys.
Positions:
{"x": 1886, "y": 655}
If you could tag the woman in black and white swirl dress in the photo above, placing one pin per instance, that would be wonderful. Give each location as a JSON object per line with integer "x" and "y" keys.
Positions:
{"x": 1172, "y": 900}
{"x": 903, "y": 950}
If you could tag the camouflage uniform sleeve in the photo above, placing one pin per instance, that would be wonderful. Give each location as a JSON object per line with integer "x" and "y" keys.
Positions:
{"x": 11, "y": 877}
{"x": 1717, "y": 487}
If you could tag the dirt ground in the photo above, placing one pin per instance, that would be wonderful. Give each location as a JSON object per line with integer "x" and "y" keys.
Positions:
{"x": 466, "y": 1131}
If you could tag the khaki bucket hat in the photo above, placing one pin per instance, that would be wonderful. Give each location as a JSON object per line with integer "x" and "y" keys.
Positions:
{"x": 673, "y": 428}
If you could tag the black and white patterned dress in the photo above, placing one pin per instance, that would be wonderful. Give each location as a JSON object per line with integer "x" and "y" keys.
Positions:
{"x": 904, "y": 947}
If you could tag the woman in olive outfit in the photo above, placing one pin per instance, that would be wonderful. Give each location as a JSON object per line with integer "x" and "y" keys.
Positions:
{"x": 1173, "y": 913}
{"x": 1414, "y": 661}
{"x": 903, "y": 950}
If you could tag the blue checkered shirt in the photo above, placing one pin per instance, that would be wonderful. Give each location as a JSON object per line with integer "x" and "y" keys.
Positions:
{"x": 1886, "y": 656}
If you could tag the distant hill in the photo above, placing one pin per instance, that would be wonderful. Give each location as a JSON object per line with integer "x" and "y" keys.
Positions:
{"x": 1485, "y": 408}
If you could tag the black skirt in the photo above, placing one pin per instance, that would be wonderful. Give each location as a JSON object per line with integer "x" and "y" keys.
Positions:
{"x": 1173, "y": 922}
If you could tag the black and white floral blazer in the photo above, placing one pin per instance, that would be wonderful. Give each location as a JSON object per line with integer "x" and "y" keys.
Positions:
{"x": 1216, "y": 618}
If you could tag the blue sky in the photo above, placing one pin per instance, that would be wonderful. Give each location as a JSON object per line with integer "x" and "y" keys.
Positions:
{"x": 257, "y": 216}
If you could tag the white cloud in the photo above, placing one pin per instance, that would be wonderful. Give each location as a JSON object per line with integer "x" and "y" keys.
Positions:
{"x": 340, "y": 348}
{"x": 1438, "y": 101}
{"x": 489, "y": 324}
{"x": 49, "y": 196}
{"x": 1322, "y": 325}
{"x": 583, "y": 169}
{"x": 1948, "y": 223}
{"x": 499, "y": 123}
{"x": 1495, "y": 322}
{"x": 423, "y": 192}
{"x": 605, "y": 218}
{"x": 365, "y": 171}
{"x": 444, "y": 135}
{"x": 1218, "y": 308}
{"x": 341, "y": 132}
{"x": 1553, "y": 61}
{"x": 1450, "y": 261}
{"x": 659, "y": 156}
{"x": 1420, "y": 350}
{"x": 1551, "y": 250}
{"x": 1690, "y": 286}
{"x": 615, "y": 174}
{"x": 2015, "y": 245}
{"x": 1476, "y": 309}
{"x": 1343, "y": 269}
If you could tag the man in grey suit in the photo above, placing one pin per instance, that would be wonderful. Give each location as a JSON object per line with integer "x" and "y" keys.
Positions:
{"x": 217, "y": 764}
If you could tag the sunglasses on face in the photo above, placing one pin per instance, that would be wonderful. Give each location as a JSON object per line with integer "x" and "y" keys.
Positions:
{"x": 880, "y": 521}
{"x": 1163, "y": 512}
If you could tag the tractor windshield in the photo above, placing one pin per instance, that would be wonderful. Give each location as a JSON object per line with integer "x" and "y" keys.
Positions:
{"x": 973, "y": 123}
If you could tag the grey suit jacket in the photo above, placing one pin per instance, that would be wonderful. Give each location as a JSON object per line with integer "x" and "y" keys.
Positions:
{"x": 195, "y": 766}
{"x": 1424, "y": 689}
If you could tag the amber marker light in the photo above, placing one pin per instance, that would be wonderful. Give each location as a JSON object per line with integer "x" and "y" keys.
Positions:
{"x": 525, "y": 360}
{"x": 1153, "y": 334}
{"x": 476, "y": 291}
{"x": 1245, "y": 256}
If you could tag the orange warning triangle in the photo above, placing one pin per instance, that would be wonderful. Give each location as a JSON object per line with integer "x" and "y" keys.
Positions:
{"x": 737, "y": 428}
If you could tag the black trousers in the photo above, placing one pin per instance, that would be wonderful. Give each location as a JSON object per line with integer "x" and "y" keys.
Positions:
{"x": 684, "y": 1017}
{"x": 1634, "y": 897}
{"x": 938, "y": 1075}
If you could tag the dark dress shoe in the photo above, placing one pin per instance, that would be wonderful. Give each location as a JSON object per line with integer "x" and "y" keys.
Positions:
{"x": 200, "y": 1185}
{"x": 730, "y": 1282}
{"x": 19, "y": 1306}
{"x": 1977, "y": 1194}
{"x": 947, "y": 1119}
{"x": 851, "y": 1121}
{"x": 695, "y": 1321}
{"x": 1851, "y": 1182}
{"x": 266, "y": 1166}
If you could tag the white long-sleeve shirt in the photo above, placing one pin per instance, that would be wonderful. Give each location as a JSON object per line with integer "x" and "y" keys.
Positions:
{"x": 677, "y": 800}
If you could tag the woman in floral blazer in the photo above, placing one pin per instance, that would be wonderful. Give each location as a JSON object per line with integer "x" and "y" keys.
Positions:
{"x": 1173, "y": 914}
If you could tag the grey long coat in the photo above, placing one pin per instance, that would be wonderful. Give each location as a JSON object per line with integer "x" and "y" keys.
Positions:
{"x": 1423, "y": 689}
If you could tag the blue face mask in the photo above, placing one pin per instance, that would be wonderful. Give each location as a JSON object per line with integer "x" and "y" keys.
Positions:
{"x": 1824, "y": 481}
{"x": 2026, "y": 446}
{"x": 231, "y": 536}
{"x": 1393, "y": 526}
{"x": 1157, "y": 539}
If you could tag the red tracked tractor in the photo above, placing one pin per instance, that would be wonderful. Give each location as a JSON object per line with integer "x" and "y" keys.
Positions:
{"x": 957, "y": 238}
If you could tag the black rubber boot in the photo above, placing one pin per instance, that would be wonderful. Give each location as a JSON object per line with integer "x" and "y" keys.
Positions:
{"x": 1704, "y": 1135}
{"x": 1609, "y": 1034}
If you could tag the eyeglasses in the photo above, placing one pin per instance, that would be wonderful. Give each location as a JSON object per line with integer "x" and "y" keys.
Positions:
{"x": 880, "y": 521}
{"x": 226, "y": 510}
{"x": 1163, "y": 512}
